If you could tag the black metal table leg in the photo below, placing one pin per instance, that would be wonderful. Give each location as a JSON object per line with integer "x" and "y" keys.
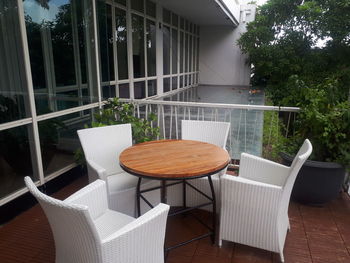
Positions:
{"x": 184, "y": 194}
{"x": 138, "y": 197}
{"x": 163, "y": 192}
{"x": 214, "y": 208}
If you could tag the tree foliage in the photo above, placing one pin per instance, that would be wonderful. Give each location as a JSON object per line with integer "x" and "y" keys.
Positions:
{"x": 310, "y": 39}
{"x": 300, "y": 51}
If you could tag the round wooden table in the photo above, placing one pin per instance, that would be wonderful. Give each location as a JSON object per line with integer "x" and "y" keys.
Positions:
{"x": 174, "y": 160}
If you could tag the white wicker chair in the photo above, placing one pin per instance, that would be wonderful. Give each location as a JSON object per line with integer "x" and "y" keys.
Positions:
{"x": 102, "y": 147}
{"x": 86, "y": 231}
{"x": 254, "y": 205}
{"x": 205, "y": 131}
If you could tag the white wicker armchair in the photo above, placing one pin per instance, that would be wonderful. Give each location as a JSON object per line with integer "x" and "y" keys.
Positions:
{"x": 205, "y": 131}
{"x": 86, "y": 231}
{"x": 254, "y": 205}
{"x": 102, "y": 147}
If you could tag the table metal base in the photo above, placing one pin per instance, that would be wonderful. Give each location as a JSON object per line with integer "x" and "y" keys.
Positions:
{"x": 185, "y": 209}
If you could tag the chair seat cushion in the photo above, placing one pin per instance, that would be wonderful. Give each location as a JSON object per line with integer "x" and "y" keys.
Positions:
{"x": 110, "y": 222}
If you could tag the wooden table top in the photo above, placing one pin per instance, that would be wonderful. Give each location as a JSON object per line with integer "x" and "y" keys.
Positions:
{"x": 174, "y": 159}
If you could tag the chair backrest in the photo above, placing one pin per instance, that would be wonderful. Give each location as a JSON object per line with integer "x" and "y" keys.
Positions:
{"x": 75, "y": 235}
{"x": 206, "y": 131}
{"x": 103, "y": 145}
{"x": 302, "y": 155}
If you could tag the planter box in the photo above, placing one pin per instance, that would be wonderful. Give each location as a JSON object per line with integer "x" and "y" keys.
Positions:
{"x": 317, "y": 182}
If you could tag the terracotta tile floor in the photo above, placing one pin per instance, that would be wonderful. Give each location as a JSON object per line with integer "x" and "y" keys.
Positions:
{"x": 318, "y": 235}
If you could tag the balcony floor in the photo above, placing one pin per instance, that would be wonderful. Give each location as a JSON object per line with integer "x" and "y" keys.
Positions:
{"x": 318, "y": 235}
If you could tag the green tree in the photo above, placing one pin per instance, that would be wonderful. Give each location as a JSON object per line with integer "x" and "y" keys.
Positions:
{"x": 310, "y": 39}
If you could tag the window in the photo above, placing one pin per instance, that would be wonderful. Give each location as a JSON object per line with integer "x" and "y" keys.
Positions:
{"x": 121, "y": 39}
{"x": 166, "y": 50}
{"x": 138, "y": 46}
{"x": 151, "y": 47}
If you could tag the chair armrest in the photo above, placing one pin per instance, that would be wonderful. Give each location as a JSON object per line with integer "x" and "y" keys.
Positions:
{"x": 95, "y": 170}
{"x": 250, "y": 195}
{"x": 94, "y": 196}
{"x": 262, "y": 170}
{"x": 142, "y": 240}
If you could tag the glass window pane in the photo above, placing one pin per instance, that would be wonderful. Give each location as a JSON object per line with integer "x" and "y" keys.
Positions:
{"x": 67, "y": 99}
{"x": 181, "y": 82}
{"x": 16, "y": 158}
{"x": 137, "y": 5}
{"x": 182, "y": 23}
{"x": 13, "y": 95}
{"x": 174, "y": 19}
{"x": 59, "y": 140}
{"x": 106, "y": 43}
{"x": 197, "y": 54}
{"x": 108, "y": 92}
{"x": 124, "y": 91}
{"x": 122, "y": 2}
{"x": 186, "y": 52}
{"x": 139, "y": 90}
{"x": 190, "y": 54}
{"x": 121, "y": 39}
{"x": 53, "y": 59}
{"x": 174, "y": 83}
{"x": 181, "y": 52}
{"x": 186, "y": 25}
{"x": 166, "y": 84}
{"x": 151, "y": 47}
{"x": 174, "y": 51}
{"x": 166, "y": 16}
{"x": 81, "y": 38}
{"x": 152, "y": 87}
{"x": 138, "y": 46}
{"x": 150, "y": 8}
{"x": 166, "y": 50}
{"x": 186, "y": 80}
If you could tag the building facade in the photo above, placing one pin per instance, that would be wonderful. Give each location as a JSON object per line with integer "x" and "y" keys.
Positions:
{"x": 60, "y": 59}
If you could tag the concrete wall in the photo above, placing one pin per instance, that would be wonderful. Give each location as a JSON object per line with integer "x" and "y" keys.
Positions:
{"x": 221, "y": 62}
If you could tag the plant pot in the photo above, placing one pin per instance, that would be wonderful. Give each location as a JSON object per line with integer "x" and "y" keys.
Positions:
{"x": 317, "y": 182}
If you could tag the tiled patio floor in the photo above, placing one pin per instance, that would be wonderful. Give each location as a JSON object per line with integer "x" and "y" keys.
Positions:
{"x": 318, "y": 235}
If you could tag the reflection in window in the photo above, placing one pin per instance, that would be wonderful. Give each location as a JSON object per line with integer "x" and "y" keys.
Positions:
{"x": 174, "y": 20}
{"x": 150, "y": 8}
{"x": 124, "y": 91}
{"x": 186, "y": 52}
{"x": 137, "y": 5}
{"x": 13, "y": 102}
{"x": 138, "y": 46}
{"x": 139, "y": 90}
{"x": 59, "y": 140}
{"x": 166, "y": 84}
{"x": 108, "y": 92}
{"x": 106, "y": 41}
{"x": 197, "y": 54}
{"x": 166, "y": 50}
{"x": 54, "y": 28}
{"x": 67, "y": 99}
{"x": 174, "y": 51}
{"x": 14, "y": 147}
{"x": 151, "y": 47}
{"x": 181, "y": 52}
{"x": 166, "y": 16}
{"x": 174, "y": 83}
{"x": 121, "y": 39}
{"x": 181, "y": 82}
{"x": 122, "y": 2}
{"x": 191, "y": 54}
{"x": 152, "y": 87}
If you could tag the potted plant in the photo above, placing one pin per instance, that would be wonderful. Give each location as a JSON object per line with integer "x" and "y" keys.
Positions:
{"x": 325, "y": 120}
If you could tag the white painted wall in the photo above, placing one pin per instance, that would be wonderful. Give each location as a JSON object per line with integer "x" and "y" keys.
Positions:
{"x": 221, "y": 62}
